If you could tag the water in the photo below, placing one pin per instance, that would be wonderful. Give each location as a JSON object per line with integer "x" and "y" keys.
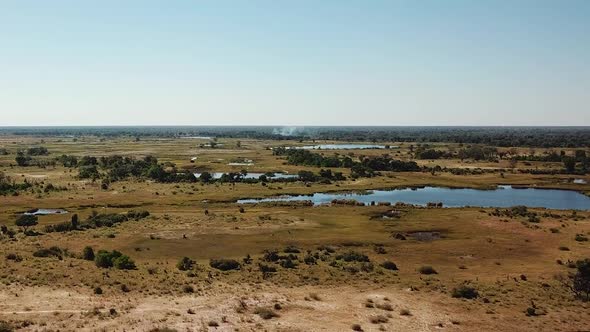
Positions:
{"x": 197, "y": 137}
{"x": 503, "y": 196}
{"x": 218, "y": 175}
{"x": 343, "y": 147}
{"x": 44, "y": 212}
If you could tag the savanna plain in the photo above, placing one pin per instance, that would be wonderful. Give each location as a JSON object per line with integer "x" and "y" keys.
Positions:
{"x": 116, "y": 232}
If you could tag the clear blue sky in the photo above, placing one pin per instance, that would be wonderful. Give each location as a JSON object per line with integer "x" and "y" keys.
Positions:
{"x": 294, "y": 62}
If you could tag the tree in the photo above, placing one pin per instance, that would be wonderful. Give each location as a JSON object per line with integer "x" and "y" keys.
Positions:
{"x": 88, "y": 254}
{"x": 74, "y": 221}
{"x": 206, "y": 177}
{"x": 569, "y": 163}
{"x": 21, "y": 159}
{"x": 26, "y": 220}
{"x": 581, "y": 280}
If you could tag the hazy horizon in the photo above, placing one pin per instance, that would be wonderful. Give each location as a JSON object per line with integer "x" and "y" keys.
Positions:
{"x": 305, "y": 63}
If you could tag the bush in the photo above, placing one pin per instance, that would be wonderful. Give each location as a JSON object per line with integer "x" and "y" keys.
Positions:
{"x": 465, "y": 292}
{"x": 13, "y": 257}
{"x": 225, "y": 264}
{"x": 51, "y": 252}
{"x": 292, "y": 250}
{"x": 389, "y": 265}
{"x": 356, "y": 327}
{"x": 185, "y": 264}
{"x": 106, "y": 259}
{"x": 266, "y": 313}
{"x": 309, "y": 260}
{"x": 188, "y": 289}
{"x": 97, "y": 290}
{"x": 270, "y": 256}
{"x": 137, "y": 215}
{"x": 427, "y": 270}
{"x": 267, "y": 268}
{"x": 88, "y": 253}
{"x": 353, "y": 256}
{"x": 5, "y": 326}
{"x": 123, "y": 262}
{"x": 288, "y": 264}
{"x": 581, "y": 238}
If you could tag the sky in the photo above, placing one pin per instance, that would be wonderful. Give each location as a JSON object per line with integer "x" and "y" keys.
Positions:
{"x": 304, "y": 62}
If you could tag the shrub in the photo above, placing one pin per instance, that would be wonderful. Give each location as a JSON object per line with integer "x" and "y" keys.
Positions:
{"x": 185, "y": 264}
{"x": 62, "y": 227}
{"x": 288, "y": 264}
{"x": 581, "y": 238}
{"x": 385, "y": 306}
{"x": 427, "y": 270}
{"x": 353, "y": 256}
{"x": 123, "y": 262}
{"x": 270, "y": 256}
{"x": 51, "y": 252}
{"x": 356, "y": 327}
{"x": 266, "y": 313}
{"x": 292, "y": 250}
{"x": 465, "y": 292}
{"x": 5, "y": 327}
{"x": 225, "y": 264}
{"x": 88, "y": 253}
{"x": 309, "y": 260}
{"x": 13, "y": 257}
{"x": 106, "y": 259}
{"x": 367, "y": 267}
{"x": 267, "y": 268}
{"x": 137, "y": 215}
{"x": 188, "y": 289}
{"x": 97, "y": 290}
{"x": 379, "y": 319}
{"x": 389, "y": 265}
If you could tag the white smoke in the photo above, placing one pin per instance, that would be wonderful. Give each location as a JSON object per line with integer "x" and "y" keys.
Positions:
{"x": 288, "y": 131}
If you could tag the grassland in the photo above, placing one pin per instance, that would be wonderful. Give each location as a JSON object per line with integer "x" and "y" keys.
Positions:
{"x": 514, "y": 264}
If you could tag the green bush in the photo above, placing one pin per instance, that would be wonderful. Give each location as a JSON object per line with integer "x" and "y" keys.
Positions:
{"x": 51, "y": 252}
{"x": 353, "y": 256}
{"x": 105, "y": 259}
{"x": 123, "y": 262}
{"x": 225, "y": 264}
{"x": 465, "y": 292}
{"x": 185, "y": 264}
{"x": 88, "y": 253}
{"x": 389, "y": 265}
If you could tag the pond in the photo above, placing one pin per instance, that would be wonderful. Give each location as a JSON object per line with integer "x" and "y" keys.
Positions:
{"x": 218, "y": 175}
{"x": 44, "y": 212}
{"x": 503, "y": 196}
{"x": 343, "y": 147}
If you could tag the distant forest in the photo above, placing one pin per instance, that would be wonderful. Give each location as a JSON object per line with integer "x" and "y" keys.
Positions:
{"x": 493, "y": 136}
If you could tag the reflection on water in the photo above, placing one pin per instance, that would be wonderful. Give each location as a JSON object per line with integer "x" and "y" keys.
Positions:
{"x": 503, "y": 196}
